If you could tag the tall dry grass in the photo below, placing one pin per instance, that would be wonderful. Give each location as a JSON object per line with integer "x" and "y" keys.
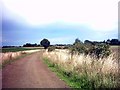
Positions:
{"x": 103, "y": 72}
{"x": 13, "y": 55}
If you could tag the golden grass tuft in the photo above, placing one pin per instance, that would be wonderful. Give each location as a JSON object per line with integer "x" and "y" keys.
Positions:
{"x": 13, "y": 55}
{"x": 103, "y": 67}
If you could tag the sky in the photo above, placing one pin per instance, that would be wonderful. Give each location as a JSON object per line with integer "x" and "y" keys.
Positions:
{"x": 60, "y": 21}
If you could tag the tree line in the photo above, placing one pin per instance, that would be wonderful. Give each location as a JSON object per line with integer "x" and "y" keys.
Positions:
{"x": 110, "y": 42}
{"x": 46, "y": 43}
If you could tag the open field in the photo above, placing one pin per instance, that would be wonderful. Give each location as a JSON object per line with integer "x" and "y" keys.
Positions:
{"x": 116, "y": 51}
{"x": 34, "y": 47}
{"x": 16, "y": 49}
{"x": 115, "y": 48}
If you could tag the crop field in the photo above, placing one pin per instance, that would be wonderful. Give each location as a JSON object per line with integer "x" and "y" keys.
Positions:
{"x": 115, "y": 48}
{"x": 16, "y": 49}
{"x": 116, "y": 51}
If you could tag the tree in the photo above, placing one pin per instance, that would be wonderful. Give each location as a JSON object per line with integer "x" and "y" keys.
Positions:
{"x": 114, "y": 42}
{"x": 88, "y": 42}
{"x": 108, "y": 41}
{"x": 77, "y": 41}
{"x": 29, "y": 45}
{"x": 45, "y": 43}
{"x": 77, "y": 47}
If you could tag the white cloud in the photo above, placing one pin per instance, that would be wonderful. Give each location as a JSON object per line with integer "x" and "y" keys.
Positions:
{"x": 98, "y": 15}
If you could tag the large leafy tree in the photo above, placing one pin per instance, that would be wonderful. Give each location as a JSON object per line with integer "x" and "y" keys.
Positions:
{"x": 45, "y": 43}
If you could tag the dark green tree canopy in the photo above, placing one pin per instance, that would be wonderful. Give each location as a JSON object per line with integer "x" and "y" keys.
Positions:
{"x": 77, "y": 41}
{"x": 45, "y": 43}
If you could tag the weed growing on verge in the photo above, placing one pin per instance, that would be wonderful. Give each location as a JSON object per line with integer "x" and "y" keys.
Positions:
{"x": 81, "y": 71}
{"x": 10, "y": 60}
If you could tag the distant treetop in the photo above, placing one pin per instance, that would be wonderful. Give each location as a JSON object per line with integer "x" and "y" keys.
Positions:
{"x": 45, "y": 43}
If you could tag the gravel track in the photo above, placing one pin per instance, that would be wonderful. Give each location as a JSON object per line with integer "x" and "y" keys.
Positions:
{"x": 30, "y": 72}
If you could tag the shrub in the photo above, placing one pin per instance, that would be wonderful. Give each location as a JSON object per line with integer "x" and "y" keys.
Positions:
{"x": 52, "y": 48}
{"x": 99, "y": 50}
{"x": 77, "y": 47}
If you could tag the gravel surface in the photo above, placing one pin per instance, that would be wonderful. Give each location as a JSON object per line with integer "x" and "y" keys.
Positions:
{"x": 30, "y": 72}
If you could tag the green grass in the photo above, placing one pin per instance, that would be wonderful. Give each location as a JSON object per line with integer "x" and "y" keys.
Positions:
{"x": 16, "y": 49}
{"x": 82, "y": 81}
{"x": 71, "y": 79}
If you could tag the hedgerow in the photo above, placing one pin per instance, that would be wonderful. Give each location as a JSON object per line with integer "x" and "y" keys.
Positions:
{"x": 100, "y": 50}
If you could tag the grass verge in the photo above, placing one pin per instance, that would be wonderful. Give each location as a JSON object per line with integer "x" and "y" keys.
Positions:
{"x": 7, "y": 62}
{"x": 83, "y": 81}
{"x": 71, "y": 79}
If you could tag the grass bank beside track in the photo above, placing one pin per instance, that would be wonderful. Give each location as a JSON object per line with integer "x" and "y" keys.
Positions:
{"x": 10, "y": 61}
{"x": 72, "y": 79}
{"x": 84, "y": 72}
{"x": 82, "y": 81}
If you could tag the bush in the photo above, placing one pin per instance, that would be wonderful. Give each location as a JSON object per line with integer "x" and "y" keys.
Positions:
{"x": 101, "y": 50}
{"x": 51, "y": 48}
{"x": 77, "y": 47}
{"x": 98, "y": 50}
